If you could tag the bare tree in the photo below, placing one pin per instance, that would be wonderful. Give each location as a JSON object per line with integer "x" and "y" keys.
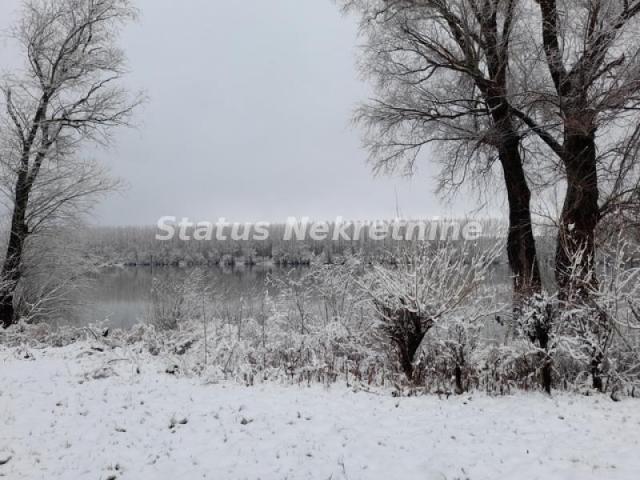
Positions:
{"x": 498, "y": 78}
{"x": 441, "y": 76}
{"x": 68, "y": 94}
{"x": 427, "y": 287}
{"x": 581, "y": 109}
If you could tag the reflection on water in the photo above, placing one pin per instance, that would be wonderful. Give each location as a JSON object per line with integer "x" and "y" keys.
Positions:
{"x": 121, "y": 296}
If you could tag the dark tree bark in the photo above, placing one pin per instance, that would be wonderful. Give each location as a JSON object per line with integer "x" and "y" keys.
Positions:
{"x": 406, "y": 329}
{"x": 542, "y": 334}
{"x": 521, "y": 247}
{"x": 596, "y": 373}
{"x": 457, "y": 373}
{"x": 11, "y": 269}
{"x": 580, "y": 212}
{"x": 542, "y": 317}
{"x": 580, "y": 215}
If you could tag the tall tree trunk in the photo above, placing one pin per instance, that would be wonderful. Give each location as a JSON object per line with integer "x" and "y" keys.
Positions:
{"x": 579, "y": 218}
{"x": 12, "y": 267}
{"x": 11, "y": 270}
{"x": 521, "y": 247}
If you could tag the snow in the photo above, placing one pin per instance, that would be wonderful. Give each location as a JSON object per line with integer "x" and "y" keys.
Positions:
{"x": 75, "y": 413}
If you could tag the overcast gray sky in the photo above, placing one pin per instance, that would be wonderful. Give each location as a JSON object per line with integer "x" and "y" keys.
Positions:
{"x": 248, "y": 117}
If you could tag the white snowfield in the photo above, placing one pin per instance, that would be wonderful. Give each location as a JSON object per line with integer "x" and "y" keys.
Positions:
{"x": 72, "y": 414}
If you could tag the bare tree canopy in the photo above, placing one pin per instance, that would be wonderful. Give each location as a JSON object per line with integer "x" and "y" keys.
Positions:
{"x": 441, "y": 76}
{"x": 69, "y": 93}
{"x": 548, "y": 88}
{"x": 581, "y": 99}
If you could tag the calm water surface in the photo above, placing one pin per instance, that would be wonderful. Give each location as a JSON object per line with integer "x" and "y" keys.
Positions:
{"x": 121, "y": 296}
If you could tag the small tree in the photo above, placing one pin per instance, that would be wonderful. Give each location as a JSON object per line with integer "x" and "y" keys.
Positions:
{"x": 296, "y": 291}
{"x": 426, "y": 287}
{"x": 458, "y": 337}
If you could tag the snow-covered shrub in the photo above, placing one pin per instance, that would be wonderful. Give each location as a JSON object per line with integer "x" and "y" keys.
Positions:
{"x": 535, "y": 320}
{"x": 177, "y": 299}
{"x": 295, "y": 299}
{"x": 54, "y": 278}
{"x": 598, "y": 332}
{"x": 458, "y": 340}
{"x": 314, "y": 329}
{"x": 428, "y": 285}
{"x": 502, "y": 368}
{"x": 323, "y": 324}
{"x": 25, "y": 334}
{"x": 452, "y": 356}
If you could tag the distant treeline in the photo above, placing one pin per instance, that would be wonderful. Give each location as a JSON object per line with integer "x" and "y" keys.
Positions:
{"x": 137, "y": 245}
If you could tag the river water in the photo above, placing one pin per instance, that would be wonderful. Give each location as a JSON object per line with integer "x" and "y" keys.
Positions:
{"x": 121, "y": 297}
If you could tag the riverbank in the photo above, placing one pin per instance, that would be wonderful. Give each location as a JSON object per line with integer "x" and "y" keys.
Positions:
{"x": 77, "y": 412}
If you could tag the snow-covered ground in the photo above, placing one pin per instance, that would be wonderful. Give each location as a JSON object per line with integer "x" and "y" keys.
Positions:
{"x": 69, "y": 414}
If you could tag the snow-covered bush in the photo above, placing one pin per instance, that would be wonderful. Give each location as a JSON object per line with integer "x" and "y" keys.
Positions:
{"x": 177, "y": 299}
{"x": 503, "y": 368}
{"x": 535, "y": 320}
{"x": 54, "y": 278}
{"x": 323, "y": 324}
{"x": 429, "y": 285}
{"x": 598, "y": 332}
{"x": 314, "y": 329}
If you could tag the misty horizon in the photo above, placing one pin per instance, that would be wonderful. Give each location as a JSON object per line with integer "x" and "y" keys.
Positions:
{"x": 251, "y": 124}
